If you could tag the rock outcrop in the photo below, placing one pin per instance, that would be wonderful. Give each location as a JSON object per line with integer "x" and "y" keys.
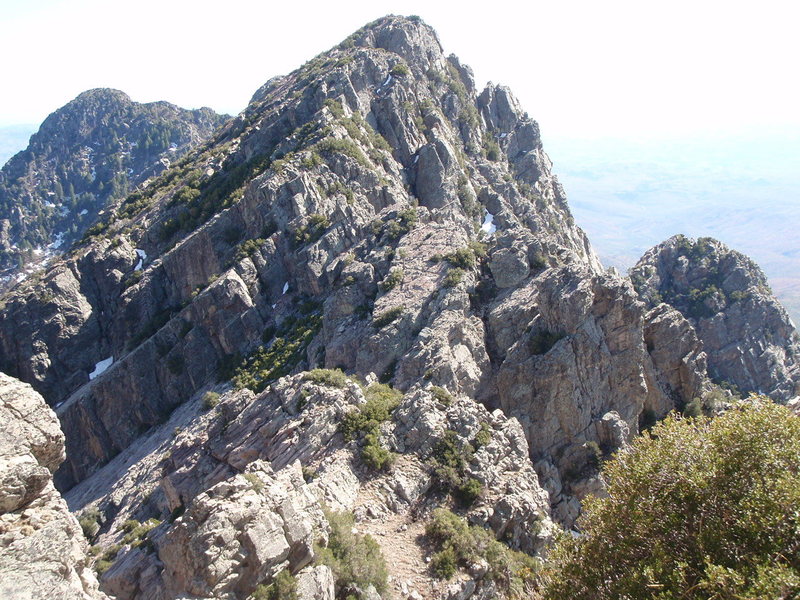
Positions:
{"x": 89, "y": 153}
{"x": 748, "y": 338}
{"x": 236, "y": 473}
{"x": 43, "y": 553}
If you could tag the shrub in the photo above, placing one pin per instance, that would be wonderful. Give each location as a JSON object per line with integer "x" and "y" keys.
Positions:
{"x": 210, "y": 400}
{"x": 399, "y": 70}
{"x": 387, "y": 317}
{"x": 483, "y": 437}
{"x": 444, "y": 563}
{"x": 453, "y": 278}
{"x": 542, "y": 341}
{"x": 449, "y": 458}
{"x": 468, "y": 491}
{"x": 365, "y": 422}
{"x": 255, "y": 481}
{"x": 90, "y": 521}
{"x": 374, "y": 455}
{"x": 279, "y": 358}
{"x": 283, "y": 587}
{"x": 381, "y": 401}
{"x": 331, "y": 377}
{"x": 459, "y": 544}
{"x": 355, "y": 560}
{"x": 686, "y": 516}
{"x": 392, "y": 280}
{"x": 463, "y": 258}
{"x": 248, "y": 248}
{"x": 441, "y": 395}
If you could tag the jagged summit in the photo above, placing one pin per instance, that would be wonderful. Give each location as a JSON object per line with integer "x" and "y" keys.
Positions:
{"x": 89, "y": 153}
{"x": 748, "y": 336}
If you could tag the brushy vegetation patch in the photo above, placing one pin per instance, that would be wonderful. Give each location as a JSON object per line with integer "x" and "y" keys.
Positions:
{"x": 453, "y": 278}
{"x": 89, "y": 520}
{"x": 442, "y": 395}
{"x": 720, "y": 520}
{"x": 459, "y": 545}
{"x": 388, "y": 316}
{"x": 279, "y": 358}
{"x": 355, "y": 560}
{"x": 283, "y": 587}
{"x": 364, "y": 423}
{"x": 449, "y": 461}
{"x": 332, "y": 377}
{"x": 542, "y": 341}
{"x": 392, "y": 280}
{"x": 210, "y": 400}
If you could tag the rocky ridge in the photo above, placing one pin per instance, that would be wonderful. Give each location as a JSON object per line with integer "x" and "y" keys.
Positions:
{"x": 372, "y": 212}
{"x": 749, "y": 340}
{"x": 256, "y": 470}
{"x": 42, "y": 550}
{"x": 371, "y": 207}
{"x": 87, "y": 154}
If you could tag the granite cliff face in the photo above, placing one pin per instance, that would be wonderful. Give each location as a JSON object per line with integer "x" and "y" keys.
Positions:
{"x": 748, "y": 338}
{"x": 89, "y": 153}
{"x": 371, "y": 212}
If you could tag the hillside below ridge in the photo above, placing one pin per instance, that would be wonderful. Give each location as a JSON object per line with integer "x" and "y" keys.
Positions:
{"x": 371, "y": 212}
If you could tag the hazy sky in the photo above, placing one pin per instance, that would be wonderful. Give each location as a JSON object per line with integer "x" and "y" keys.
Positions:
{"x": 584, "y": 69}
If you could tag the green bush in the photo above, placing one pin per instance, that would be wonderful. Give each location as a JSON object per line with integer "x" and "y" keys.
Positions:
{"x": 387, "y": 317}
{"x": 444, "y": 563}
{"x": 392, "y": 280}
{"x": 374, "y": 455}
{"x": 468, "y": 491}
{"x": 269, "y": 363}
{"x": 459, "y": 544}
{"x": 381, "y": 401}
{"x": 89, "y": 520}
{"x": 365, "y": 423}
{"x": 248, "y": 248}
{"x": 453, "y": 278}
{"x": 442, "y": 395}
{"x": 283, "y": 587}
{"x": 399, "y": 70}
{"x": 697, "y": 509}
{"x": 541, "y": 342}
{"x": 450, "y": 458}
{"x": 210, "y": 400}
{"x": 255, "y": 481}
{"x": 354, "y": 559}
{"x": 332, "y": 377}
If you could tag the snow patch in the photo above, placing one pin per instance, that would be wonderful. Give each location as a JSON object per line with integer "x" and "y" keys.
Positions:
{"x": 142, "y": 256}
{"x": 488, "y": 223}
{"x": 285, "y": 287}
{"x": 58, "y": 239}
{"x": 100, "y": 367}
{"x": 83, "y": 212}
